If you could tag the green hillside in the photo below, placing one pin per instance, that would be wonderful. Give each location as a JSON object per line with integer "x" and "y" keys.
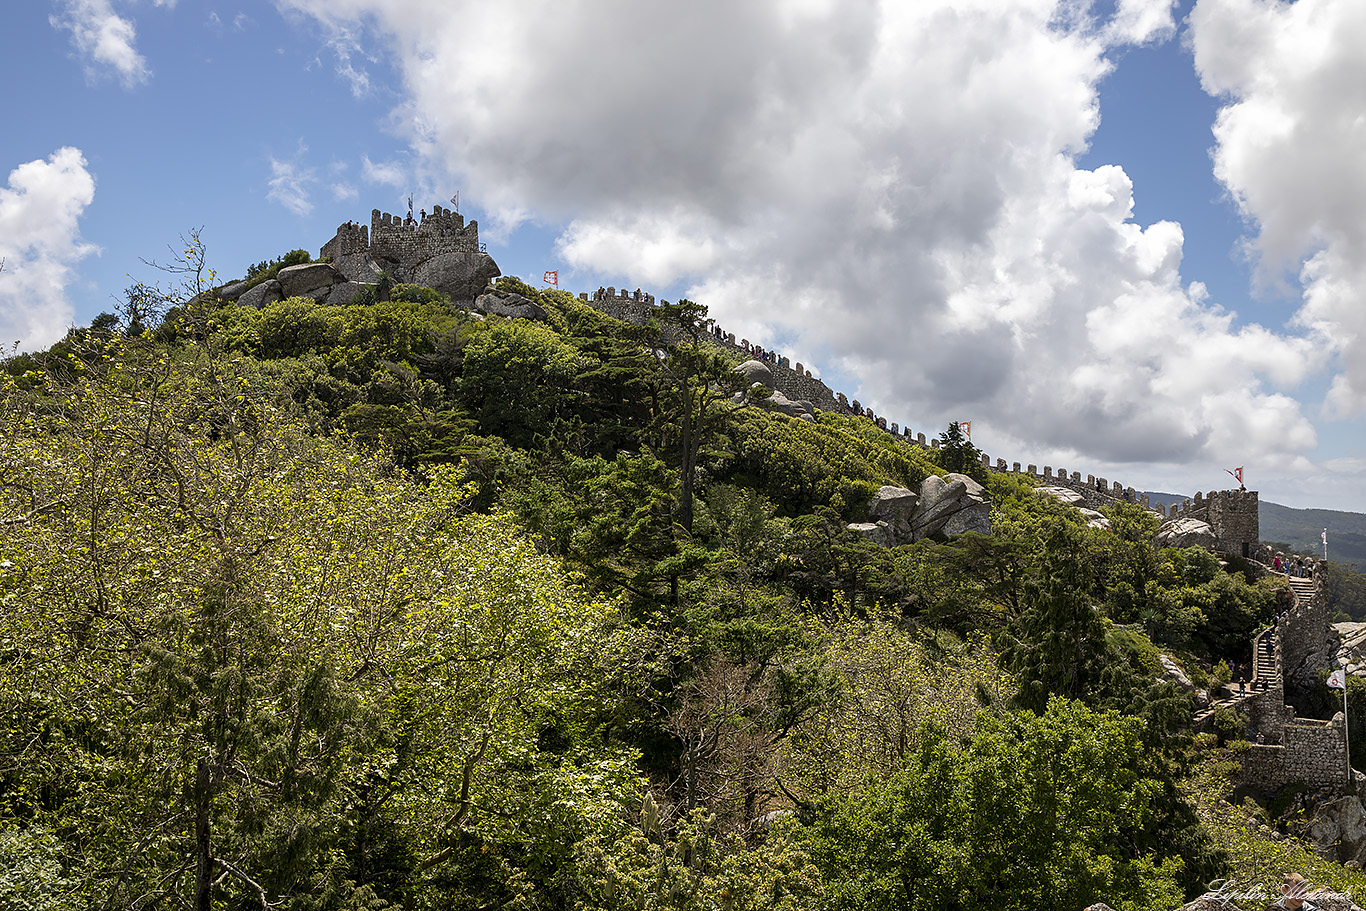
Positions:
{"x": 395, "y": 605}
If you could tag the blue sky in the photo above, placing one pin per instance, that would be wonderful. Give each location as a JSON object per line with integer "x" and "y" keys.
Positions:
{"x": 1122, "y": 238}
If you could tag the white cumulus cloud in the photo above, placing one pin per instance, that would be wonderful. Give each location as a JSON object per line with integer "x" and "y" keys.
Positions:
{"x": 40, "y": 241}
{"x": 104, "y": 39}
{"x": 1289, "y": 146}
{"x": 291, "y": 183}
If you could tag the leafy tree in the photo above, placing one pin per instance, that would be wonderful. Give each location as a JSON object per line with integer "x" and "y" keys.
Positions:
{"x": 701, "y": 384}
{"x": 268, "y": 269}
{"x": 957, "y": 454}
{"x": 1057, "y": 645}
{"x": 275, "y": 669}
{"x": 518, "y": 380}
{"x": 1046, "y": 811}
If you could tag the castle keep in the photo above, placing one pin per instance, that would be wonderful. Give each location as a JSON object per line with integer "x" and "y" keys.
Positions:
{"x": 438, "y": 251}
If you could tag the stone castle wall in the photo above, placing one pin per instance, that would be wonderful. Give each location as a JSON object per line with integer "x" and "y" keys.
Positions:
{"x": 400, "y": 244}
{"x": 1309, "y": 750}
{"x": 796, "y": 383}
{"x": 1314, "y": 752}
{"x": 1301, "y": 630}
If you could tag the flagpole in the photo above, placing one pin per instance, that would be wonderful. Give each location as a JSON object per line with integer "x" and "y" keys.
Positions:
{"x": 1346, "y": 733}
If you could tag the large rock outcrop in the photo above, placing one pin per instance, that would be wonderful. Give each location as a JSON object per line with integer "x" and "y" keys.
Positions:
{"x": 756, "y": 372}
{"x": 894, "y": 506}
{"x": 1185, "y": 533}
{"x": 1338, "y": 829}
{"x": 1072, "y": 498}
{"x": 760, "y": 374}
{"x": 262, "y": 295}
{"x": 461, "y": 275}
{"x": 309, "y": 280}
{"x": 1063, "y": 494}
{"x": 950, "y": 506}
{"x": 943, "y": 506}
{"x": 512, "y": 306}
{"x": 877, "y": 532}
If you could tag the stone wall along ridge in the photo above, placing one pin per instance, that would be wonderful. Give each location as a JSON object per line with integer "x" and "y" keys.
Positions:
{"x": 1232, "y": 514}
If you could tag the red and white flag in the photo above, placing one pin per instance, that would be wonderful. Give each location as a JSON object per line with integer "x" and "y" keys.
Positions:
{"x": 1338, "y": 679}
{"x": 552, "y": 278}
{"x": 966, "y": 427}
{"x": 1237, "y": 473}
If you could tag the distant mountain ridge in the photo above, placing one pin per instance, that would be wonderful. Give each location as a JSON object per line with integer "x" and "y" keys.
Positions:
{"x": 1301, "y": 528}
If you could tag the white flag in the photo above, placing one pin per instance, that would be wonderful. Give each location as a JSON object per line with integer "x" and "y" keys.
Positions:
{"x": 1338, "y": 679}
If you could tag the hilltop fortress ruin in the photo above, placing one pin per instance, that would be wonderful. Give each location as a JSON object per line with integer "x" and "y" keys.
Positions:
{"x": 437, "y": 251}
{"x": 441, "y": 250}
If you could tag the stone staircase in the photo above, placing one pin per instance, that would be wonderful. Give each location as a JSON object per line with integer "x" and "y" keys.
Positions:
{"x": 1303, "y": 589}
{"x": 1264, "y": 667}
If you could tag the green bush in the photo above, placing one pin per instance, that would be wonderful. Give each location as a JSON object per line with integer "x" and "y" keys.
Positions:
{"x": 416, "y": 294}
{"x": 268, "y": 269}
{"x": 1228, "y": 725}
{"x": 511, "y": 284}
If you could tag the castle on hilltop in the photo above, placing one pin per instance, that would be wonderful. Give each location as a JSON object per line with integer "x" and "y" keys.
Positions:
{"x": 437, "y": 251}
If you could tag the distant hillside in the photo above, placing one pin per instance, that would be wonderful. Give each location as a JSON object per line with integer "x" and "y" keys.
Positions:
{"x": 1300, "y": 528}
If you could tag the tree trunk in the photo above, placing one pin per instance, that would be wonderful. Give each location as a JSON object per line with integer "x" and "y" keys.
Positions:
{"x": 689, "y": 461}
{"x": 203, "y": 887}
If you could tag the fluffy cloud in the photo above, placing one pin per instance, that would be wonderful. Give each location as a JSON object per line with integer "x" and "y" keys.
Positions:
{"x": 888, "y": 187}
{"x": 291, "y": 183}
{"x": 103, "y": 38}
{"x": 1289, "y": 152}
{"x": 39, "y": 241}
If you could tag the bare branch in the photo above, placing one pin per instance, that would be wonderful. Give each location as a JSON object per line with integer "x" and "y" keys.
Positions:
{"x": 20, "y": 520}
{"x": 255, "y": 886}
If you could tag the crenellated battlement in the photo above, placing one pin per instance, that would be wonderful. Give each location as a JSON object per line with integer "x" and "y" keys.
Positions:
{"x": 438, "y": 250}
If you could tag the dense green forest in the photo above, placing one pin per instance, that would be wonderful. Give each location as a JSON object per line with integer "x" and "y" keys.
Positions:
{"x": 399, "y": 606}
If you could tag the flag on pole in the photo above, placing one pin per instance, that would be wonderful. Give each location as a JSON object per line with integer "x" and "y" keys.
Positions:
{"x": 552, "y": 278}
{"x": 967, "y": 428}
{"x": 455, "y": 201}
{"x": 1338, "y": 679}
{"x": 1237, "y": 473}
{"x": 1324, "y": 537}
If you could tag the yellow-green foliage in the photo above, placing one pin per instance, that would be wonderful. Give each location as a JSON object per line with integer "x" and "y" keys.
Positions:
{"x": 200, "y": 602}
{"x": 800, "y": 464}
{"x": 1257, "y": 860}
{"x": 352, "y": 340}
{"x": 895, "y": 686}
{"x": 1019, "y": 511}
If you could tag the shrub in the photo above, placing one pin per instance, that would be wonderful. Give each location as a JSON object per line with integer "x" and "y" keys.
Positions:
{"x": 511, "y": 284}
{"x": 1222, "y": 673}
{"x": 415, "y": 294}
{"x": 268, "y": 269}
{"x": 1228, "y": 725}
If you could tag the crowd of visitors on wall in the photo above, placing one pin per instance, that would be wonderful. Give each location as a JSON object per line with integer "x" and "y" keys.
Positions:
{"x": 1298, "y": 567}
